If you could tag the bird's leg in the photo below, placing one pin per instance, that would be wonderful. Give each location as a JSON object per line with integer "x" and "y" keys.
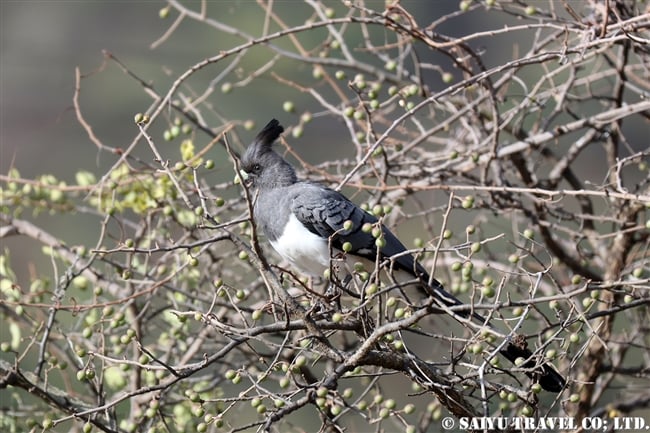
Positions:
{"x": 367, "y": 322}
{"x": 345, "y": 285}
{"x": 333, "y": 294}
{"x": 338, "y": 269}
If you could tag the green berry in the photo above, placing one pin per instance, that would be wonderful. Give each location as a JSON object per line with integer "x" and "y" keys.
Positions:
{"x": 300, "y": 361}
{"x": 306, "y": 117}
{"x": 468, "y": 202}
{"x": 488, "y": 292}
{"x": 226, "y": 87}
{"x": 371, "y": 289}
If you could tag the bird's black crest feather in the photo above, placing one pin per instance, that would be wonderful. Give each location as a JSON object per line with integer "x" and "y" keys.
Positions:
{"x": 269, "y": 134}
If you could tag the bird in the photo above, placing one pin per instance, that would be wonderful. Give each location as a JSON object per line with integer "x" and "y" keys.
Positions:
{"x": 313, "y": 227}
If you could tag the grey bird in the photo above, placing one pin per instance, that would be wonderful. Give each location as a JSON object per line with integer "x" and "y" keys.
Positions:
{"x": 310, "y": 225}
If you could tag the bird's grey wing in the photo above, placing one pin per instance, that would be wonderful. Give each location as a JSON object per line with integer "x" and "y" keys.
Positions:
{"x": 324, "y": 212}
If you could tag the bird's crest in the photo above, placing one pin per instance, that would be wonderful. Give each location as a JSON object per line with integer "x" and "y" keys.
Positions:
{"x": 268, "y": 135}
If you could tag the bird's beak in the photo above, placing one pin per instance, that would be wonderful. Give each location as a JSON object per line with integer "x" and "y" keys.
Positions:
{"x": 243, "y": 177}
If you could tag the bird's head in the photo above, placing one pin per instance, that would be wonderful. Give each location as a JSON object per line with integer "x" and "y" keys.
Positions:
{"x": 261, "y": 166}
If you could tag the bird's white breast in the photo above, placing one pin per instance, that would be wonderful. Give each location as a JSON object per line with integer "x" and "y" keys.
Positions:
{"x": 304, "y": 249}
